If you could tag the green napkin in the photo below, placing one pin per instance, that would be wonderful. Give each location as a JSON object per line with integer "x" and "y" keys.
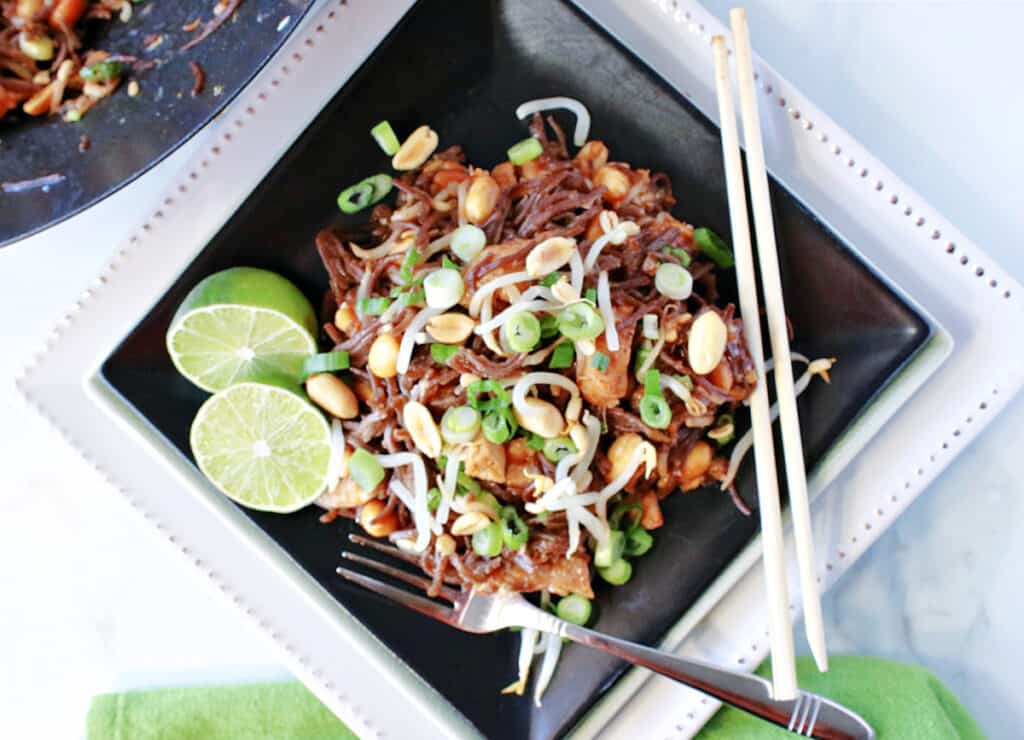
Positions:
{"x": 259, "y": 711}
{"x": 901, "y": 702}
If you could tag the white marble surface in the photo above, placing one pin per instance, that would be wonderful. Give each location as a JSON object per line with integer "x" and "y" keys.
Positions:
{"x": 92, "y": 600}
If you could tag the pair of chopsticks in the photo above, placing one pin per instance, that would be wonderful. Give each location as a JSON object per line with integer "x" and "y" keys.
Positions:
{"x": 783, "y": 663}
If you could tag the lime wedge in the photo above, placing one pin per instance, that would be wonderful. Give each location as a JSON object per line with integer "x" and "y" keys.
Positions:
{"x": 242, "y": 324}
{"x": 262, "y": 446}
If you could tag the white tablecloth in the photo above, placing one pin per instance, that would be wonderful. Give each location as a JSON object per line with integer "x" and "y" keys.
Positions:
{"x": 93, "y": 600}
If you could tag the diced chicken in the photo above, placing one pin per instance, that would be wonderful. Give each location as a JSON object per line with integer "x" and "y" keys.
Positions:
{"x": 605, "y": 388}
{"x": 560, "y": 576}
{"x": 348, "y": 494}
{"x": 651, "y": 517}
{"x": 483, "y": 459}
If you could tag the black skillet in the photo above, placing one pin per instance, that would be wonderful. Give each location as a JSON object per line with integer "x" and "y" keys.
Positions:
{"x": 128, "y": 135}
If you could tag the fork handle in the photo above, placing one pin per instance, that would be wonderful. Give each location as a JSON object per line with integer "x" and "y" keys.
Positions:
{"x": 743, "y": 691}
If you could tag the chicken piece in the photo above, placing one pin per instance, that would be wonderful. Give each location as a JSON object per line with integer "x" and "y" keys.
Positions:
{"x": 560, "y": 576}
{"x": 348, "y": 494}
{"x": 483, "y": 459}
{"x": 651, "y": 517}
{"x": 605, "y": 388}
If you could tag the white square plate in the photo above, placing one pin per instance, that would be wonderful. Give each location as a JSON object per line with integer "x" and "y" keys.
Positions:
{"x": 815, "y": 159}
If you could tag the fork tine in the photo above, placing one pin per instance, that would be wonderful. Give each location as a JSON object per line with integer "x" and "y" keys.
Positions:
{"x": 413, "y": 580}
{"x": 386, "y": 549}
{"x": 419, "y": 603}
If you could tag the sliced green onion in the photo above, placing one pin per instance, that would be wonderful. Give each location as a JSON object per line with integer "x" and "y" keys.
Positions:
{"x": 724, "y": 430}
{"x": 548, "y": 326}
{"x": 650, "y": 327}
{"x": 356, "y": 197}
{"x": 599, "y": 360}
{"x": 499, "y": 397}
{"x": 641, "y": 359}
{"x": 411, "y": 258}
{"x": 524, "y": 151}
{"x": 471, "y": 486}
{"x": 686, "y": 380}
{"x": 385, "y": 137}
{"x": 433, "y": 499}
{"x": 590, "y": 294}
{"x": 713, "y": 246}
{"x": 102, "y": 71}
{"x": 680, "y": 254}
{"x": 441, "y": 353}
{"x": 448, "y": 264}
{"x": 327, "y": 362}
{"x": 499, "y": 426}
{"x": 514, "y": 532}
{"x": 580, "y": 321}
{"x": 673, "y": 281}
{"x": 486, "y": 499}
{"x": 611, "y": 550}
{"x": 655, "y": 412}
{"x": 468, "y": 241}
{"x": 621, "y": 510}
{"x": 558, "y": 448}
{"x": 535, "y": 442}
{"x": 550, "y": 280}
{"x": 411, "y": 297}
{"x": 575, "y": 609}
{"x": 364, "y": 193}
{"x": 374, "y": 306}
{"x": 521, "y": 331}
{"x": 443, "y": 288}
{"x": 563, "y": 356}
{"x": 638, "y": 542}
{"x": 73, "y": 115}
{"x": 460, "y": 424}
{"x": 652, "y": 383}
{"x": 382, "y": 184}
{"x": 488, "y": 541}
{"x": 365, "y": 469}
{"x": 618, "y": 573}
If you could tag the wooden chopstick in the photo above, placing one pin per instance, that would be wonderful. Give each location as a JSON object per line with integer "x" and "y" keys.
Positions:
{"x": 780, "y": 627}
{"x": 792, "y": 444}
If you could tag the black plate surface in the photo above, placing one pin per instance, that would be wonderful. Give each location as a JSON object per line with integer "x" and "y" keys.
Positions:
{"x": 464, "y": 71}
{"x": 129, "y": 135}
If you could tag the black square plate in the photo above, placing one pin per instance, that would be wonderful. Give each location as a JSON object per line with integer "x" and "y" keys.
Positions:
{"x": 463, "y": 67}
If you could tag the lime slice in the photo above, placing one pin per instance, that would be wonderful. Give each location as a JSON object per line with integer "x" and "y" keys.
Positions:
{"x": 242, "y": 324}
{"x": 262, "y": 446}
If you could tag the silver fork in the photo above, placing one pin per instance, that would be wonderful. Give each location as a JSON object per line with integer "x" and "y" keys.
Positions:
{"x": 808, "y": 715}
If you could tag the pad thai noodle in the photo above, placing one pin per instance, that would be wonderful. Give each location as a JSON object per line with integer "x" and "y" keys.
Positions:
{"x": 539, "y": 356}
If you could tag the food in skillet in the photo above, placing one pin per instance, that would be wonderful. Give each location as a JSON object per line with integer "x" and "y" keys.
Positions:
{"x": 526, "y": 361}
{"x": 47, "y": 67}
